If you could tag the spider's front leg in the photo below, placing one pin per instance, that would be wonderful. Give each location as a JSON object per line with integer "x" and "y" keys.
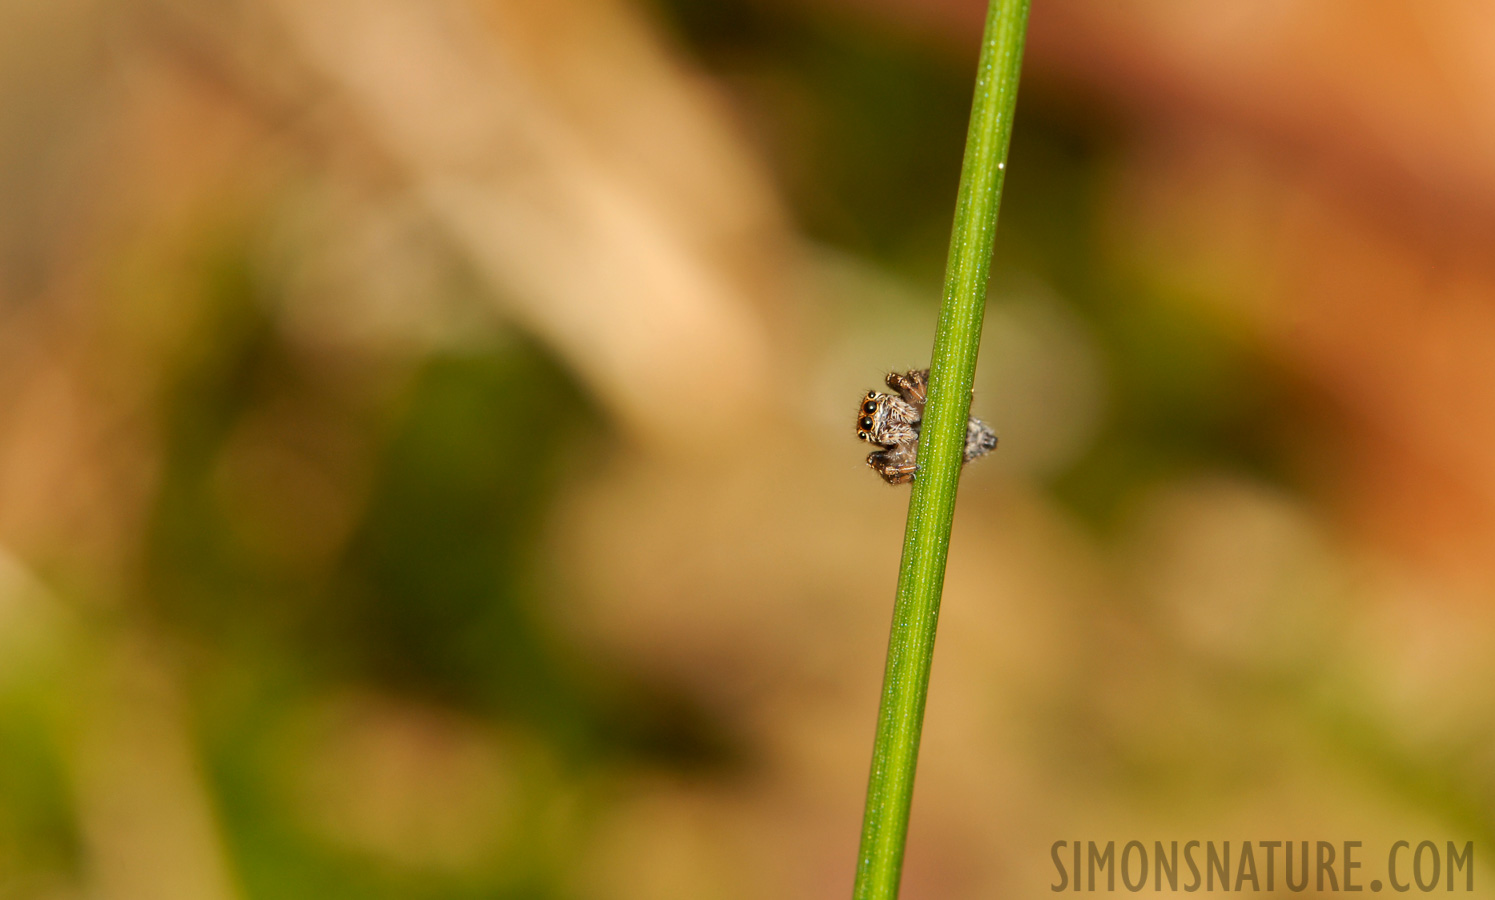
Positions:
{"x": 912, "y": 386}
{"x": 897, "y": 464}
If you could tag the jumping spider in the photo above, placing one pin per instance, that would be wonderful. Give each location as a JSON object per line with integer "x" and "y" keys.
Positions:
{"x": 892, "y": 423}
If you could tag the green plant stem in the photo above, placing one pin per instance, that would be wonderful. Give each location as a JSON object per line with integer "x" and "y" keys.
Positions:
{"x": 931, "y": 507}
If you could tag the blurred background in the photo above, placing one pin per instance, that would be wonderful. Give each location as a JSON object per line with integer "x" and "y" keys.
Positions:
{"x": 427, "y": 465}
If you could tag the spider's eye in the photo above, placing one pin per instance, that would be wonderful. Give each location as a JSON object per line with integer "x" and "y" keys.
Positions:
{"x": 869, "y": 407}
{"x": 866, "y": 424}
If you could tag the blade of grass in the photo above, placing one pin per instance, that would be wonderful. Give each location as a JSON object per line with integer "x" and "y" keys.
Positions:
{"x": 931, "y": 505}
